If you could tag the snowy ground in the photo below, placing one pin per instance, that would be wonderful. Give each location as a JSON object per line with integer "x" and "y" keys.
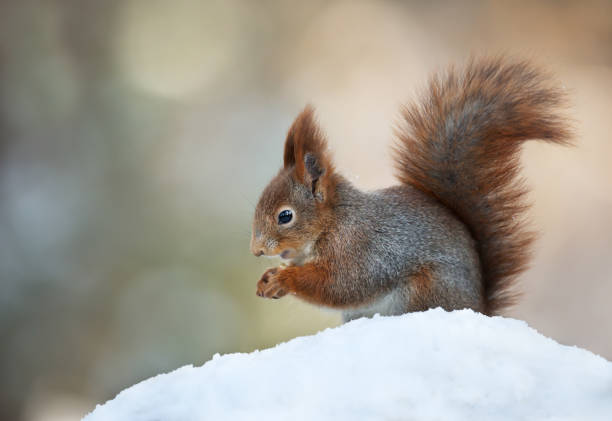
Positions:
{"x": 421, "y": 366}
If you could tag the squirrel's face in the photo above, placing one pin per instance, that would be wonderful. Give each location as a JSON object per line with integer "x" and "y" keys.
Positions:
{"x": 293, "y": 210}
{"x": 285, "y": 222}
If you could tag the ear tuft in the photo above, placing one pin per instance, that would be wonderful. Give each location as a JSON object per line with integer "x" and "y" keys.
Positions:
{"x": 289, "y": 154}
{"x": 306, "y": 152}
{"x": 304, "y": 136}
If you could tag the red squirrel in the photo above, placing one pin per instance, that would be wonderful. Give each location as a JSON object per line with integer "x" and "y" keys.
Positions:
{"x": 452, "y": 233}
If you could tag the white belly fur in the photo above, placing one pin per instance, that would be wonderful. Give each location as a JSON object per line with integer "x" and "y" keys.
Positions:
{"x": 391, "y": 304}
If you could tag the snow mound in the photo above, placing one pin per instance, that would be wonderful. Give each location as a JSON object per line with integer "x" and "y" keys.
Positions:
{"x": 421, "y": 366}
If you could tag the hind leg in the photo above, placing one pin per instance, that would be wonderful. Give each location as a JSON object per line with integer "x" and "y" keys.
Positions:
{"x": 451, "y": 287}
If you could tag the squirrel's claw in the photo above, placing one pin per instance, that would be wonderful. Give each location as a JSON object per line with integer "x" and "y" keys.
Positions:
{"x": 269, "y": 286}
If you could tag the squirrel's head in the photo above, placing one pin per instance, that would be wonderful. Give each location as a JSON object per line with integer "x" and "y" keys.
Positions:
{"x": 295, "y": 207}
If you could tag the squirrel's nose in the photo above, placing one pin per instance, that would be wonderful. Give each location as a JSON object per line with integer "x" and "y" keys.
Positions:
{"x": 256, "y": 245}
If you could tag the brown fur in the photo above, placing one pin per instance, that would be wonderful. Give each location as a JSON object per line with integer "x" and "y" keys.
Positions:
{"x": 304, "y": 138}
{"x": 306, "y": 281}
{"x": 421, "y": 288}
{"x": 497, "y": 105}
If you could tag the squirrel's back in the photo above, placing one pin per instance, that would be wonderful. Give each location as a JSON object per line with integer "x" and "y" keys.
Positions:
{"x": 461, "y": 145}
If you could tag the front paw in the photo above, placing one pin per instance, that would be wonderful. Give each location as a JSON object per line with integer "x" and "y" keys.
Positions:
{"x": 270, "y": 286}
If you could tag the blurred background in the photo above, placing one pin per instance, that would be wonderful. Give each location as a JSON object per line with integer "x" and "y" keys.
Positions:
{"x": 136, "y": 136}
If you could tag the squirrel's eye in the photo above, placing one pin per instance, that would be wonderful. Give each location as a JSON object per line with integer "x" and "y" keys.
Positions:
{"x": 285, "y": 216}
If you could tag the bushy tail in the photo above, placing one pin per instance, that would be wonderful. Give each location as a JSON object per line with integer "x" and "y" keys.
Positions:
{"x": 461, "y": 144}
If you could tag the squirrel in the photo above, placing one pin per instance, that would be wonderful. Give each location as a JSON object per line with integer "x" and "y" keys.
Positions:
{"x": 452, "y": 234}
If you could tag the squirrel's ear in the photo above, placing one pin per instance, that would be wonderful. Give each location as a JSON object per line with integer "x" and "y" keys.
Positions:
{"x": 314, "y": 175}
{"x": 289, "y": 154}
{"x": 306, "y": 150}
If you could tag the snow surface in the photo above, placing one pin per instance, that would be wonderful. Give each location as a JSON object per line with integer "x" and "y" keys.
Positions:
{"x": 421, "y": 366}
